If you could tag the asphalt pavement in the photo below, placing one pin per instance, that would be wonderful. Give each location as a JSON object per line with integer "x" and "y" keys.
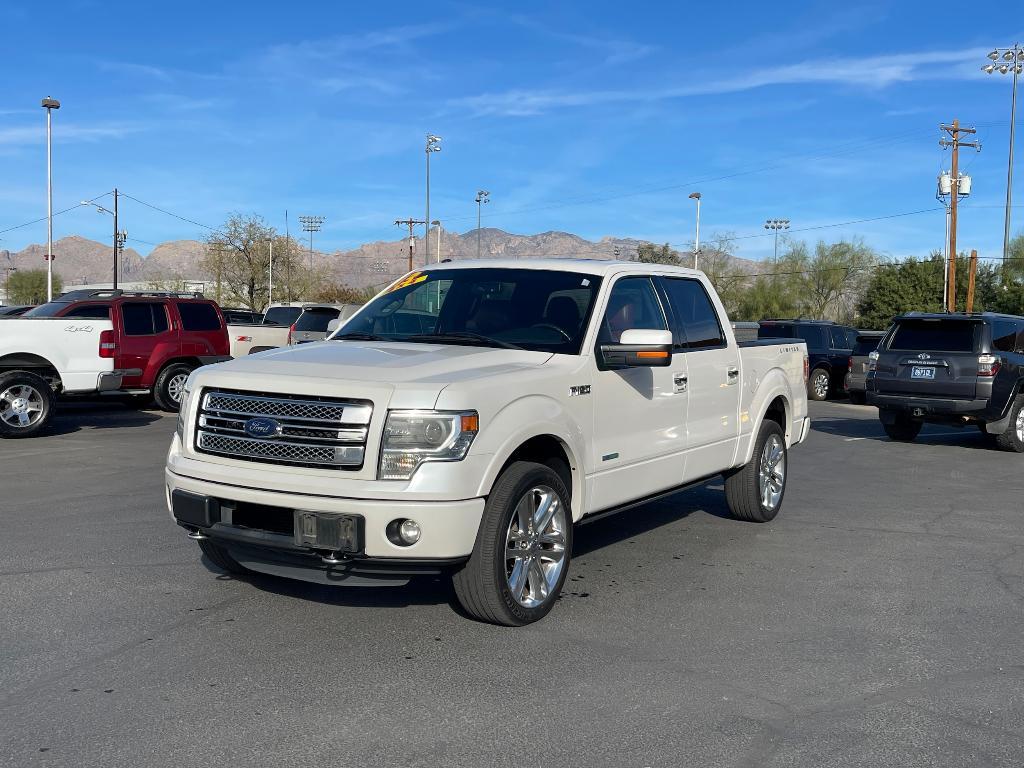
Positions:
{"x": 876, "y": 622}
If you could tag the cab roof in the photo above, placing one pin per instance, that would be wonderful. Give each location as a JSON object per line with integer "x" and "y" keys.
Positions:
{"x": 588, "y": 266}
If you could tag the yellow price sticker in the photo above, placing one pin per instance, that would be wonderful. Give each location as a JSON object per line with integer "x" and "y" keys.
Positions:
{"x": 411, "y": 279}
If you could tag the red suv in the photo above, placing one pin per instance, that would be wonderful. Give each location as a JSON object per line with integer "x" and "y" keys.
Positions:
{"x": 158, "y": 338}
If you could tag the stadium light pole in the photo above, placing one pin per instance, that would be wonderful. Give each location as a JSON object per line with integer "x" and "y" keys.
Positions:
{"x": 1004, "y": 61}
{"x": 49, "y": 105}
{"x": 437, "y": 223}
{"x": 433, "y": 145}
{"x": 696, "y": 240}
{"x": 776, "y": 225}
{"x": 311, "y": 224}
{"x": 483, "y": 196}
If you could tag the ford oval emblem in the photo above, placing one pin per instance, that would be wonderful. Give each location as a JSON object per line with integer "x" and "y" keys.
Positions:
{"x": 262, "y": 427}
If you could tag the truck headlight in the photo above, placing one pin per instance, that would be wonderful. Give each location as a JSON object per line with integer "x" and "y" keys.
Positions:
{"x": 183, "y": 409}
{"x": 412, "y": 438}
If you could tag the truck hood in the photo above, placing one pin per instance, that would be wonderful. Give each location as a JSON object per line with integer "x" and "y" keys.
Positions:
{"x": 386, "y": 362}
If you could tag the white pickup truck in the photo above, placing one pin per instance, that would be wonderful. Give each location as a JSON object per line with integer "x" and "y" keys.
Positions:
{"x": 40, "y": 357}
{"x": 467, "y": 416}
{"x": 271, "y": 333}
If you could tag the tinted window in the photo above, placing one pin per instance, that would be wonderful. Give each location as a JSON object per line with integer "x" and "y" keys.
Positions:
{"x": 538, "y": 309}
{"x": 839, "y": 338}
{"x": 97, "y": 311}
{"x": 282, "y": 315}
{"x": 775, "y": 331}
{"x": 866, "y": 344}
{"x": 814, "y": 335}
{"x": 633, "y": 304}
{"x": 934, "y": 335}
{"x": 143, "y": 319}
{"x": 241, "y": 316}
{"x": 1004, "y": 335}
{"x": 695, "y": 313}
{"x": 47, "y": 310}
{"x": 316, "y": 319}
{"x": 198, "y": 316}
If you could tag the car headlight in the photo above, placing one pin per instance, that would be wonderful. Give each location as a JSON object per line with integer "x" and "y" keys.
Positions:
{"x": 183, "y": 408}
{"x": 412, "y": 438}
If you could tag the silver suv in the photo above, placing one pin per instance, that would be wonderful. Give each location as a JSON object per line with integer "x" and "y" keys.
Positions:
{"x": 315, "y": 321}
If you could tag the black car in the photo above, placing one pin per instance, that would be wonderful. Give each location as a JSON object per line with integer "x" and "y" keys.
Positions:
{"x": 954, "y": 369}
{"x": 829, "y": 347}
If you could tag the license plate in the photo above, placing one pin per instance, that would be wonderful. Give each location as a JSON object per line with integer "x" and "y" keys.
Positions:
{"x": 327, "y": 530}
{"x": 918, "y": 372}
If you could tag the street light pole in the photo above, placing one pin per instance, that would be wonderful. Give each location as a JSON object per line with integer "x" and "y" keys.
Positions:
{"x": 119, "y": 236}
{"x": 1013, "y": 62}
{"x": 483, "y": 196}
{"x": 49, "y": 105}
{"x": 433, "y": 145}
{"x": 270, "y": 287}
{"x": 696, "y": 240}
{"x": 437, "y": 222}
{"x": 776, "y": 225}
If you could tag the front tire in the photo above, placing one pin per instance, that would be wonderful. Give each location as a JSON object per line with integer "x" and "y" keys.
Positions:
{"x": 170, "y": 385}
{"x": 27, "y": 404}
{"x": 754, "y": 492}
{"x": 1013, "y": 438}
{"x": 522, "y": 551}
{"x": 818, "y": 384}
{"x": 904, "y": 429}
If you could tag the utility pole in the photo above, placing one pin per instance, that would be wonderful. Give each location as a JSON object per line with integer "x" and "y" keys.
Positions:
{"x": 972, "y": 271}
{"x": 410, "y": 223}
{"x": 954, "y": 141}
{"x": 483, "y": 196}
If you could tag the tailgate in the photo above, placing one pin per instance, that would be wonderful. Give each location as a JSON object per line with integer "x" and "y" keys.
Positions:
{"x": 930, "y": 358}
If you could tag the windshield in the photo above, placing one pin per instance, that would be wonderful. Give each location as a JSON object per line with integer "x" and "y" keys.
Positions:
{"x": 281, "y": 315}
{"x": 535, "y": 309}
{"x": 48, "y": 310}
{"x": 934, "y": 335}
{"x": 316, "y": 319}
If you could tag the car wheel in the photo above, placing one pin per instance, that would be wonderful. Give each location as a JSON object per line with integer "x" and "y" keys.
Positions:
{"x": 170, "y": 385}
{"x": 220, "y": 557}
{"x": 818, "y": 384}
{"x": 522, "y": 550}
{"x": 858, "y": 398}
{"x": 904, "y": 429}
{"x": 755, "y": 491}
{"x": 27, "y": 404}
{"x": 1013, "y": 438}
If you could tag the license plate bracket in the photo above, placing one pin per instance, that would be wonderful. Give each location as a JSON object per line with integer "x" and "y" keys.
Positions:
{"x": 922, "y": 372}
{"x": 328, "y": 530}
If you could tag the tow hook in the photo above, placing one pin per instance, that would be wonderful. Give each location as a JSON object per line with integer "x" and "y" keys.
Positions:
{"x": 331, "y": 558}
{"x": 197, "y": 535}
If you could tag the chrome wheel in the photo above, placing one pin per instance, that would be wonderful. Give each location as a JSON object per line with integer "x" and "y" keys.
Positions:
{"x": 535, "y": 546}
{"x": 21, "y": 406}
{"x": 772, "y": 472}
{"x": 176, "y": 385}
{"x": 821, "y": 385}
{"x": 1019, "y": 425}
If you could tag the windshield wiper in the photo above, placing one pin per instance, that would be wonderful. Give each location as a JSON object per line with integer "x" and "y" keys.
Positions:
{"x": 462, "y": 336}
{"x": 359, "y": 336}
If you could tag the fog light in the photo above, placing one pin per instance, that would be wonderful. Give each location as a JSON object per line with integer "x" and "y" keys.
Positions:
{"x": 403, "y": 533}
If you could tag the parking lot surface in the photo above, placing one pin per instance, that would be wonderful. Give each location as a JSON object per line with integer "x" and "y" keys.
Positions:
{"x": 876, "y": 622}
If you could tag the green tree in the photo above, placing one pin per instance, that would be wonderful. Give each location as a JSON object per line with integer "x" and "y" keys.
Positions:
{"x": 716, "y": 260}
{"x": 29, "y": 286}
{"x": 835, "y": 278}
{"x": 649, "y": 253}
{"x": 775, "y": 292}
{"x": 340, "y": 293}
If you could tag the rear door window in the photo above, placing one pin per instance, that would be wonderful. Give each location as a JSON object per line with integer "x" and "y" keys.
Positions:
{"x": 838, "y": 337}
{"x": 694, "y": 314}
{"x": 197, "y": 316}
{"x": 814, "y": 335}
{"x": 935, "y": 336}
{"x": 143, "y": 318}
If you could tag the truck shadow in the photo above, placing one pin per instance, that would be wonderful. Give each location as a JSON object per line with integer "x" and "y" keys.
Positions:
{"x": 932, "y": 434}
{"x": 74, "y": 416}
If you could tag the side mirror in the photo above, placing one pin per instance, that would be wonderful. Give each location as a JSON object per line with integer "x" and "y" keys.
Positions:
{"x": 333, "y": 325}
{"x": 637, "y": 348}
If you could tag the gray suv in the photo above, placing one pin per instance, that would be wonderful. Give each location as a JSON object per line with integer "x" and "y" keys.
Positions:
{"x": 857, "y": 370}
{"x": 314, "y": 324}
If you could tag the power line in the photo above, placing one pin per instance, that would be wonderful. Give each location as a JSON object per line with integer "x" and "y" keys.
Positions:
{"x": 170, "y": 213}
{"x": 55, "y": 213}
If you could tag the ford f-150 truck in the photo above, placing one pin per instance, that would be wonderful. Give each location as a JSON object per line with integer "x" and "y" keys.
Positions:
{"x": 469, "y": 415}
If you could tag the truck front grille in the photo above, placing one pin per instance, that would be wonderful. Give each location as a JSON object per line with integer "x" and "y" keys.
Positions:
{"x": 284, "y": 429}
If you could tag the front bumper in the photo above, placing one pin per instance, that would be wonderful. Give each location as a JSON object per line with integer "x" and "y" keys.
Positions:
{"x": 448, "y": 528}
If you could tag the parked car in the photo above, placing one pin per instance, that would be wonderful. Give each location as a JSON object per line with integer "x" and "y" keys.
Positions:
{"x": 157, "y": 338}
{"x": 542, "y": 391}
{"x": 235, "y": 316}
{"x": 856, "y": 377}
{"x": 953, "y": 369}
{"x": 43, "y": 357}
{"x": 317, "y": 320}
{"x": 828, "y": 346}
{"x": 270, "y": 332}
{"x": 16, "y": 310}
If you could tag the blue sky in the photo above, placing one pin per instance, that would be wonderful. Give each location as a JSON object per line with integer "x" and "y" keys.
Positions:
{"x": 589, "y": 117}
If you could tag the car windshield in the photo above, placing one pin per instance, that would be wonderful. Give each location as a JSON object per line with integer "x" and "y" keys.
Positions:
{"x": 535, "y": 309}
{"x": 47, "y": 310}
{"x": 935, "y": 335}
{"x": 316, "y": 319}
{"x": 281, "y": 315}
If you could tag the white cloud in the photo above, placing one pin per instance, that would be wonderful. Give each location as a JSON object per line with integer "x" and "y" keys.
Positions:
{"x": 65, "y": 132}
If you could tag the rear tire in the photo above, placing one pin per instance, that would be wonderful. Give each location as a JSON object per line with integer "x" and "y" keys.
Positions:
{"x": 1013, "y": 438}
{"x": 522, "y": 551}
{"x": 26, "y": 404}
{"x": 169, "y": 386}
{"x": 818, "y": 384}
{"x": 220, "y": 557}
{"x": 904, "y": 429}
{"x": 755, "y": 491}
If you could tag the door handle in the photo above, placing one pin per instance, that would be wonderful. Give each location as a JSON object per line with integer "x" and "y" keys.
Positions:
{"x": 679, "y": 380}
{"x": 732, "y": 375}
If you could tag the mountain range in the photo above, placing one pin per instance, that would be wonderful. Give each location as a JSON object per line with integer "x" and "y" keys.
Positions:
{"x": 80, "y": 261}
